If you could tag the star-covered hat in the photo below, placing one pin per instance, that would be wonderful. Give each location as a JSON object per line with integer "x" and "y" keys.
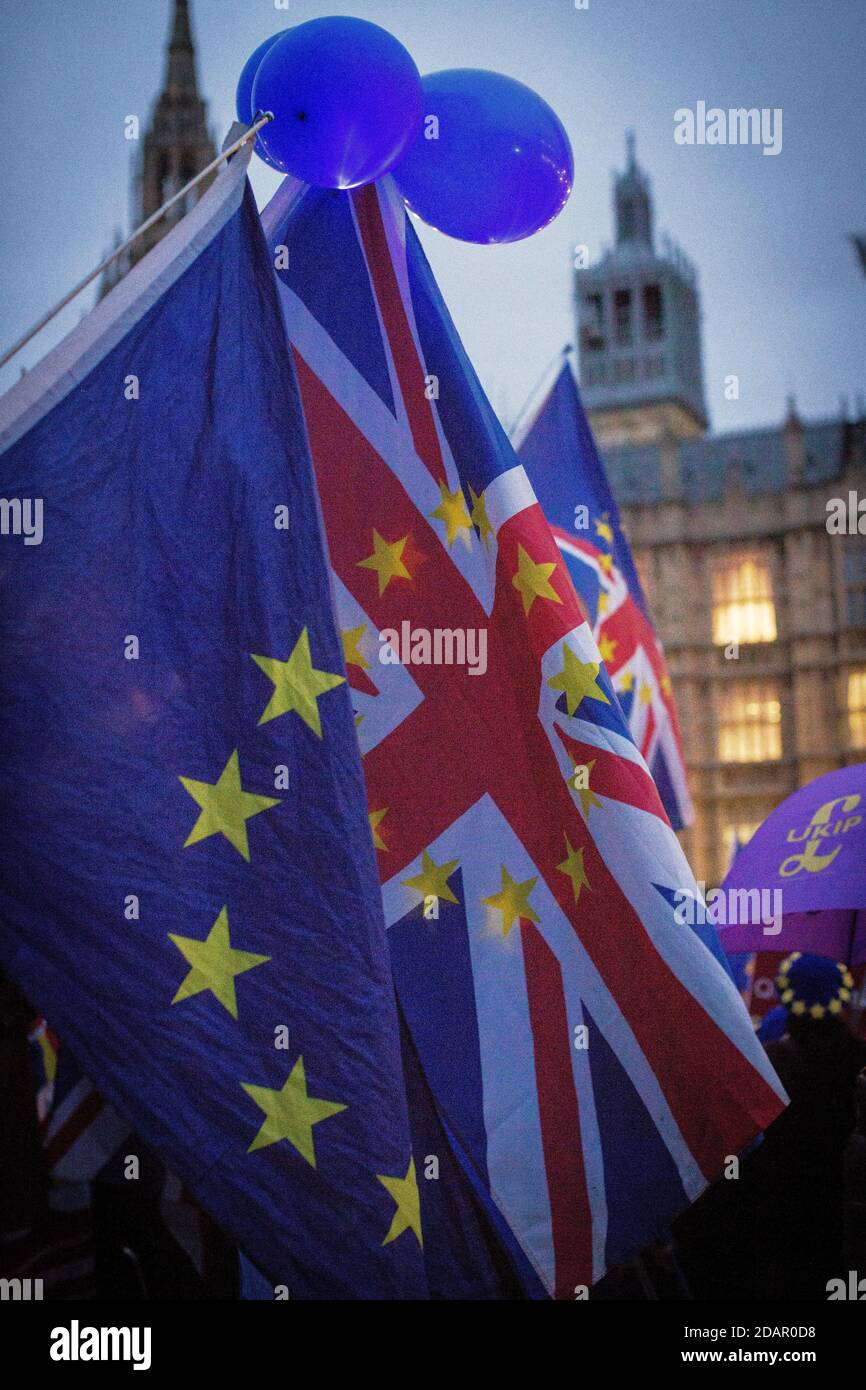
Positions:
{"x": 813, "y": 985}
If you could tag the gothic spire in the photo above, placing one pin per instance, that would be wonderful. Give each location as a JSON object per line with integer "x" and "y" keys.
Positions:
{"x": 180, "y": 78}
{"x": 633, "y": 202}
{"x": 177, "y": 144}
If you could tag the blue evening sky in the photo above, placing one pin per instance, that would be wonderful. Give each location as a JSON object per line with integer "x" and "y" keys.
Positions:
{"x": 784, "y": 300}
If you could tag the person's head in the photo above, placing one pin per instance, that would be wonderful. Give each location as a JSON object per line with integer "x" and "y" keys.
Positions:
{"x": 815, "y": 991}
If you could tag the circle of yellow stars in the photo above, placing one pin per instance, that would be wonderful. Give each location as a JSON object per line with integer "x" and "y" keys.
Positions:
{"x": 214, "y": 962}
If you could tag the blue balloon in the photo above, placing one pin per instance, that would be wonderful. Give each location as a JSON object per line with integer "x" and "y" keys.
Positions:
{"x": 244, "y": 96}
{"x": 495, "y": 165}
{"x": 346, "y": 98}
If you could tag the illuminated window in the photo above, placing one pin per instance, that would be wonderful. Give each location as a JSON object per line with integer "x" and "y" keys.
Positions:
{"x": 857, "y": 708}
{"x": 743, "y": 608}
{"x": 749, "y": 722}
{"x": 736, "y": 835}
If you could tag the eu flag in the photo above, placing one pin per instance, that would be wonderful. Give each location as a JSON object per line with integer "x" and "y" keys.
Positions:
{"x": 189, "y": 890}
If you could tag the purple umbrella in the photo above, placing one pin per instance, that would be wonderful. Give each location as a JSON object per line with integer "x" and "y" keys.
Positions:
{"x": 800, "y": 882}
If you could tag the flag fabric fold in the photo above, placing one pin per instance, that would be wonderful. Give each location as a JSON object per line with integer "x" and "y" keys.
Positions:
{"x": 590, "y": 1061}
{"x": 569, "y": 479}
{"x": 189, "y": 890}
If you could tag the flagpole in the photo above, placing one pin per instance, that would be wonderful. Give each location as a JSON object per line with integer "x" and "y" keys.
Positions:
{"x": 560, "y": 356}
{"x": 248, "y": 134}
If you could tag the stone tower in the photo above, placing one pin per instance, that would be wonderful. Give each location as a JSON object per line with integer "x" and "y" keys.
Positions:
{"x": 176, "y": 145}
{"x": 638, "y": 324}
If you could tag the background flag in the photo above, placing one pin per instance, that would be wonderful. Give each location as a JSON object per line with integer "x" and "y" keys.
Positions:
{"x": 188, "y": 886}
{"x": 590, "y": 1061}
{"x": 569, "y": 480}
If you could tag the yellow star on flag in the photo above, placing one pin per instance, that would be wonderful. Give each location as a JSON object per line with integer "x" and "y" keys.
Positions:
{"x": 607, "y": 647}
{"x": 572, "y": 867}
{"x": 352, "y": 654}
{"x": 407, "y": 1217}
{"x": 645, "y": 693}
{"x": 578, "y": 680}
{"x": 479, "y": 515}
{"x": 533, "y": 580}
{"x": 606, "y": 563}
{"x": 376, "y": 818}
{"x": 225, "y": 807}
{"x": 452, "y": 510}
{"x": 603, "y": 603}
{"x": 432, "y": 882}
{"x": 603, "y": 529}
{"x": 626, "y": 680}
{"x": 512, "y": 900}
{"x": 290, "y": 1114}
{"x": 386, "y": 560}
{"x": 588, "y": 798}
{"x": 214, "y": 964}
{"x": 297, "y": 685}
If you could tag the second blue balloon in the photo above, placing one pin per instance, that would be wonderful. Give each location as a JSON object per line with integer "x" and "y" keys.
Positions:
{"x": 491, "y": 162}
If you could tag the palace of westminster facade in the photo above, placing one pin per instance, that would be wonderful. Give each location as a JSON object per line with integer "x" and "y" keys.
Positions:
{"x": 761, "y": 610}
{"x": 761, "y": 606}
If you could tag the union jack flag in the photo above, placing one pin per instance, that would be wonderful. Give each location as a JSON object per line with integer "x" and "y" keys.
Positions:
{"x": 569, "y": 479}
{"x": 591, "y": 1061}
{"x": 83, "y": 1140}
{"x": 80, "y": 1131}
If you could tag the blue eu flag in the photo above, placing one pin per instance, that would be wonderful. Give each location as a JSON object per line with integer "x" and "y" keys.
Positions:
{"x": 189, "y": 890}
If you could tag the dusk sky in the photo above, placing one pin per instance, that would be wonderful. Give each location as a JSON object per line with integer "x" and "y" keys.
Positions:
{"x": 784, "y": 300}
